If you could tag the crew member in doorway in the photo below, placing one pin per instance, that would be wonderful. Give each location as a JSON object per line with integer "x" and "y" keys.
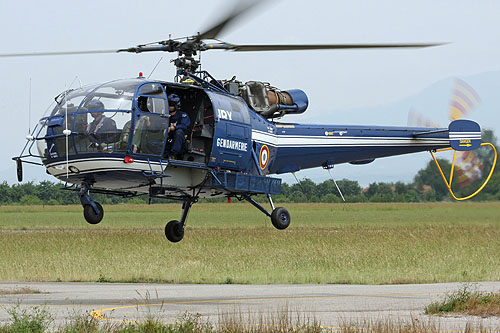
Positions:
{"x": 102, "y": 129}
{"x": 179, "y": 125}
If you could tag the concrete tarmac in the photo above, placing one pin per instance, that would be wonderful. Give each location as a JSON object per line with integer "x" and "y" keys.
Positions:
{"x": 333, "y": 306}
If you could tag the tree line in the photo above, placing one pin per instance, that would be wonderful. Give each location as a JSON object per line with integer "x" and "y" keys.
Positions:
{"x": 426, "y": 186}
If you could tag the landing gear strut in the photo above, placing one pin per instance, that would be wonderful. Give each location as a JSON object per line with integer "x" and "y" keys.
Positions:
{"x": 92, "y": 211}
{"x": 174, "y": 230}
{"x": 280, "y": 217}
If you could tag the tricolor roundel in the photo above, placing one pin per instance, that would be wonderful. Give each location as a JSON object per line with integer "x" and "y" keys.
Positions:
{"x": 264, "y": 157}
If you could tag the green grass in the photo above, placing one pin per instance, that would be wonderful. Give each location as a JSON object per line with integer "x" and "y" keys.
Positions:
{"x": 235, "y": 243}
{"x": 467, "y": 300}
{"x": 38, "y": 320}
{"x": 243, "y": 214}
{"x": 27, "y": 320}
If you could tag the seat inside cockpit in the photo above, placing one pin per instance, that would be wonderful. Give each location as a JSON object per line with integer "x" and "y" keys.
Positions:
{"x": 196, "y": 104}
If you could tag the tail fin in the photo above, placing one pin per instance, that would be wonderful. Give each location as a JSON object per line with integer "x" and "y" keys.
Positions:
{"x": 464, "y": 135}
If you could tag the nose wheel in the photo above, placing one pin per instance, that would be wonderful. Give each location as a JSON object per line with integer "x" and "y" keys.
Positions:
{"x": 92, "y": 211}
{"x": 90, "y": 214}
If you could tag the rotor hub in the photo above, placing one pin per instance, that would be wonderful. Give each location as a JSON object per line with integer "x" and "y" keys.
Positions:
{"x": 188, "y": 64}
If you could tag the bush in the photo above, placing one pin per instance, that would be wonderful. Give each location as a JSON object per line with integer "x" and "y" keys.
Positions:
{"x": 30, "y": 200}
{"x": 36, "y": 320}
{"x": 330, "y": 197}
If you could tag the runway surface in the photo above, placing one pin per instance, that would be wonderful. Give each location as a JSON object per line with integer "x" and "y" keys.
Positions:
{"x": 332, "y": 305}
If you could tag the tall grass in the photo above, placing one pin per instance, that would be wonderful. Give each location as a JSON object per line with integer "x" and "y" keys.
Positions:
{"x": 355, "y": 243}
{"x": 37, "y": 320}
{"x": 414, "y": 325}
{"x": 467, "y": 300}
{"x": 243, "y": 214}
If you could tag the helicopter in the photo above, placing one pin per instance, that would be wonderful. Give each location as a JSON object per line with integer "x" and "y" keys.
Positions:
{"x": 235, "y": 141}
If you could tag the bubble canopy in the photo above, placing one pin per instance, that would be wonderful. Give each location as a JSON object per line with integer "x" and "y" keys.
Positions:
{"x": 115, "y": 95}
{"x": 99, "y": 120}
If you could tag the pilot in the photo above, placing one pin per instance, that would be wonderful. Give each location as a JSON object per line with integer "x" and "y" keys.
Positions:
{"x": 102, "y": 129}
{"x": 179, "y": 125}
{"x": 142, "y": 103}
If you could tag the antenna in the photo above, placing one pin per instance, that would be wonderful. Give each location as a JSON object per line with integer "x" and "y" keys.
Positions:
{"x": 29, "y": 112}
{"x": 76, "y": 78}
{"x": 161, "y": 58}
{"x": 199, "y": 58}
{"x": 66, "y": 132}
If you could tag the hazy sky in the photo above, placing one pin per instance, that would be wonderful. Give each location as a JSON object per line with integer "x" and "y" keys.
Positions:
{"x": 333, "y": 80}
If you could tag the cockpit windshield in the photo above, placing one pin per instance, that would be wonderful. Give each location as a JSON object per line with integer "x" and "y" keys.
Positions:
{"x": 116, "y": 95}
{"x": 69, "y": 100}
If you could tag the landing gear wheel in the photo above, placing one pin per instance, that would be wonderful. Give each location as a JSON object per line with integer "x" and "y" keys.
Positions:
{"x": 174, "y": 230}
{"x": 280, "y": 218}
{"x": 90, "y": 215}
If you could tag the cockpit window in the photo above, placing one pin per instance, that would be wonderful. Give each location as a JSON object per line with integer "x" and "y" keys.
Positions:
{"x": 68, "y": 101}
{"x": 151, "y": 104}
{"x": 116, "y": 95}
{"x": 152, "y": 99}
{"x": 152, "y": 89}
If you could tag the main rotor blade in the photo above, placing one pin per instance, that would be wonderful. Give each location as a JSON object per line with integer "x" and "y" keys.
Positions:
{"x": 36, "y": 54}
{"x": 247, "y": 48}
{"x": 215, "y": 30}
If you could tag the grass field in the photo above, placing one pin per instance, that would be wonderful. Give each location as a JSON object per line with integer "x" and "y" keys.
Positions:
{"x": 235, "y": 243}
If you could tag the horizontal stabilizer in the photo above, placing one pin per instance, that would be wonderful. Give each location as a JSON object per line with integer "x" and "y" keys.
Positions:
{"x": 464, "y": 135}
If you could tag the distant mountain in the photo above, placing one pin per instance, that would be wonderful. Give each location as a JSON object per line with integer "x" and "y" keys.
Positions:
{"x": 433, "y": 102}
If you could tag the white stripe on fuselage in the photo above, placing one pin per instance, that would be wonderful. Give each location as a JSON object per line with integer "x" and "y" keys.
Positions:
{"x": 86, "y": 165}
{"x": 340, "y": 141}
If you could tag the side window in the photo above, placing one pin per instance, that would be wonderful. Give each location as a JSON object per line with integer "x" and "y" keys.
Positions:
{"x": 151, "y": 104}
{"x": 151, "y": 127}
{"x": 149, "y": 135}
{"x": 152, "y": 89}
{"x": 152, "y": 99}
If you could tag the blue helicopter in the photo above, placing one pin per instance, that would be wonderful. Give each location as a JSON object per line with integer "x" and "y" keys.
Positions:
{"x": 233, "y": 142}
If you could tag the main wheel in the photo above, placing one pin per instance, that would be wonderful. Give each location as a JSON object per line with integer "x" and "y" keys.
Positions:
{"x": 90, "y": 215}
{"x": 280, "y": 217}
{"x": 174, "y": 230}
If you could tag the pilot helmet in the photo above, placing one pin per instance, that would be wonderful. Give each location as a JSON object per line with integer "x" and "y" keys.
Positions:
{"x": 95, "y": 104}
{"x": 175, "y": 101}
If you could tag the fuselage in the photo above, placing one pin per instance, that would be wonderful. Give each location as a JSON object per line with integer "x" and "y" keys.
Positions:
{"x": 225, "y": 134}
